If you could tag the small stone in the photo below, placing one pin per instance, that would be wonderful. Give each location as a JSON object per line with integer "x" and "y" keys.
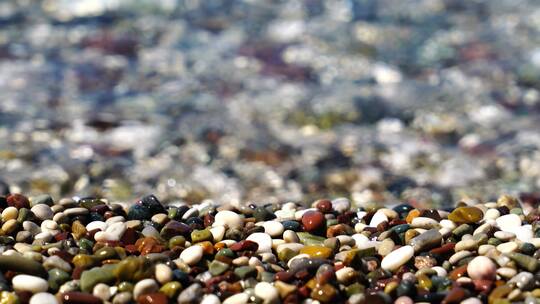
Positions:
{"x": 427, "y": 240}
{"x": 201, "y": 235}
{"x": 341, "y": 205}
{"x": 229, "y": 219}
{"x": 317, "y": 251}
{"x": 397, "y": 258}
{"x": 263, "y": 240}
{"x": 163, "y": 273}
{"x": 192, "y": 255}
{"x": 42, "y": 212}
{"x": 190, "y": 295}
{"x": 482, "y": 268}
{"x": 508, "y": 222}
{"x": 18, "y": 201}
{"x": 523, "y": 280}
{"x": 239, "y": 298}
{"x": 74, "y": 297}
{"x": 216, "y": 267}
{"x": 33, "y": 284}
{"x": 43, "y": 298}
{"x": 466, "y": 215}
{"x": 313, "y": 221}
{"x": 524, "y": 261}
{"x": 267, "y": 292}
{"x": 273, "y": 228}
{"x": 144, "y": 287}
{"x": 378, "y": 218}
{"x": 507, "y": 247}
{"x": 102, "y": 291}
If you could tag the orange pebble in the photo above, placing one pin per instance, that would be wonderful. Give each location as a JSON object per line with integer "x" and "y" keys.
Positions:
{"x": 412, "y": 214}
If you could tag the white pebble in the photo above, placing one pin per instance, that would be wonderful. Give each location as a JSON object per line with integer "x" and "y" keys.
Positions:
{"x": 102, "y": 291}
{"x": 145, "y": 286}
{"x": 273, "y": 228}
{"x": 482, "y": 267}
{"x": 43, "y": 298}
{"x": 24, "y": 282}
{"x": 210, "y": 299}
{"x": 192, "y": 255}
{"x": 507, "y": 247}
{"x": 267, "y": 292}
{"x": 239, "y": 298}
{"x": 263, "y": 240}
{"x": 228, "y": 218}
{"x": 218, "y": 233}
{"x": 508, "y": 222}
{"x": 163, "y": 273}
{"x": 471, "y": 301}
{"x": 397, "y": 258}
{"x": 42, "y": 212}
{"x": 96, "y": 225}
{"x": 378, "y": 218}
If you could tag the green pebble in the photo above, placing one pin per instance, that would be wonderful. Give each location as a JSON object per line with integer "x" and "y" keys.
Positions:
{"x": 355, "y": 288}
{"x": 245, "y": 271}
{"x": 105, "y": 253}
{"x": 172, "y": 213}
{"x": 133, "y": 269}
{"x": 86, "y": 244}
{"x": 310, "y": 239}
{"x": 234, "y": 234}
{"x": 216, "y": 267}
{"x": 226, "y": 252}
{"x": 494, "y": 241}
{"x": 125, "y": 287}
{"x": 262, "y": 214}
{"x": 517, "y": 211}
{"x": 524, "y": 261}
{"x": 286, "y": 254}
{"x": 41, "y": 199}
{"x": 267, "y": 277}
{"x": 481, "y": 238}
{"x": 57, "y": 277}
{"x": 177, "y": 240}
{"x": 23, "y": 215}
{"x": 201, "y": 236}
{"x": 90, "y": 278}
{"x": 401, "y": 228}
{"x": 527, "y": 248}
{"x": 171, "y": 289}
{"x": 23, "y": 265}
{"x": 461, "y": 230}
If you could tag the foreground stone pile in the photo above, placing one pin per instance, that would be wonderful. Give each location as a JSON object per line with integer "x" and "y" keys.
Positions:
{"x": 91, "y": 251}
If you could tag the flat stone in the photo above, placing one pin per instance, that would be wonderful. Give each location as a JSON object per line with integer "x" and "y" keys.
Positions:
{"x": 192, "y": 255}
{"x": 33, "y": 284}
{"x": 23, "y": 265}
{"x": 397, "y": 258}
{"x": 466, "y": 215}
{"x": 508, "y": 222}
{"x": 317, "y": 251}
{"x": 144, "y": 287}
{"x": 427, "y": 240}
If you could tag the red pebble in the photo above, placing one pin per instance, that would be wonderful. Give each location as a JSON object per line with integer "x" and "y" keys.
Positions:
{"x": 18, "y": 201}
{"x": 153, "y": 298}
{"x": 313, "y": 221}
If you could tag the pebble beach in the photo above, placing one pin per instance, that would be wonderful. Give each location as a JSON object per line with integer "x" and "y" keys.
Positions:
{"x": 92, "y": 251}
{"x": 268, "y": 152}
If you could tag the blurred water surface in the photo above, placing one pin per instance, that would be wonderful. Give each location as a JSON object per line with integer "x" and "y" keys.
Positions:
{"x": 266, "y": 101}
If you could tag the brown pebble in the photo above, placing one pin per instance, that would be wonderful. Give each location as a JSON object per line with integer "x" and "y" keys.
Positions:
{"x": 324, "y": 206}
{"x": 313, "y": 221}
{"x": 18, "y": 201}
{"x": 455, "y": 295}
{"x": 74, "y": 297}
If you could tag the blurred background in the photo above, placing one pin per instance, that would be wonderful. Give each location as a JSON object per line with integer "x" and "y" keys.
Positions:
{"x": 425, "y": 101}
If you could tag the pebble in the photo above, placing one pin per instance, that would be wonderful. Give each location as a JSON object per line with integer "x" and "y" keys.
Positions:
{"x": 466, "y": 215}
{"x": 163, "y": 273}
{"x": 229, "y": 219}
{"x": 273, "y": 228}
{"x": 43, "y": 298}
{"x": 482, "y": 268}
{"x": 267, "y": 292}
{"x": 508, "y": 222}
{"x": 397, "y": 258}
{"x": 263, "y": 240}
{"x": 42, "y": 212}
{"x": 240, "y": 298}
{"x": 192, "y": 255}
{"x": 144, "y": 287}
{"x": 313, "y": 220}
{"x": 33, "y": 284}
